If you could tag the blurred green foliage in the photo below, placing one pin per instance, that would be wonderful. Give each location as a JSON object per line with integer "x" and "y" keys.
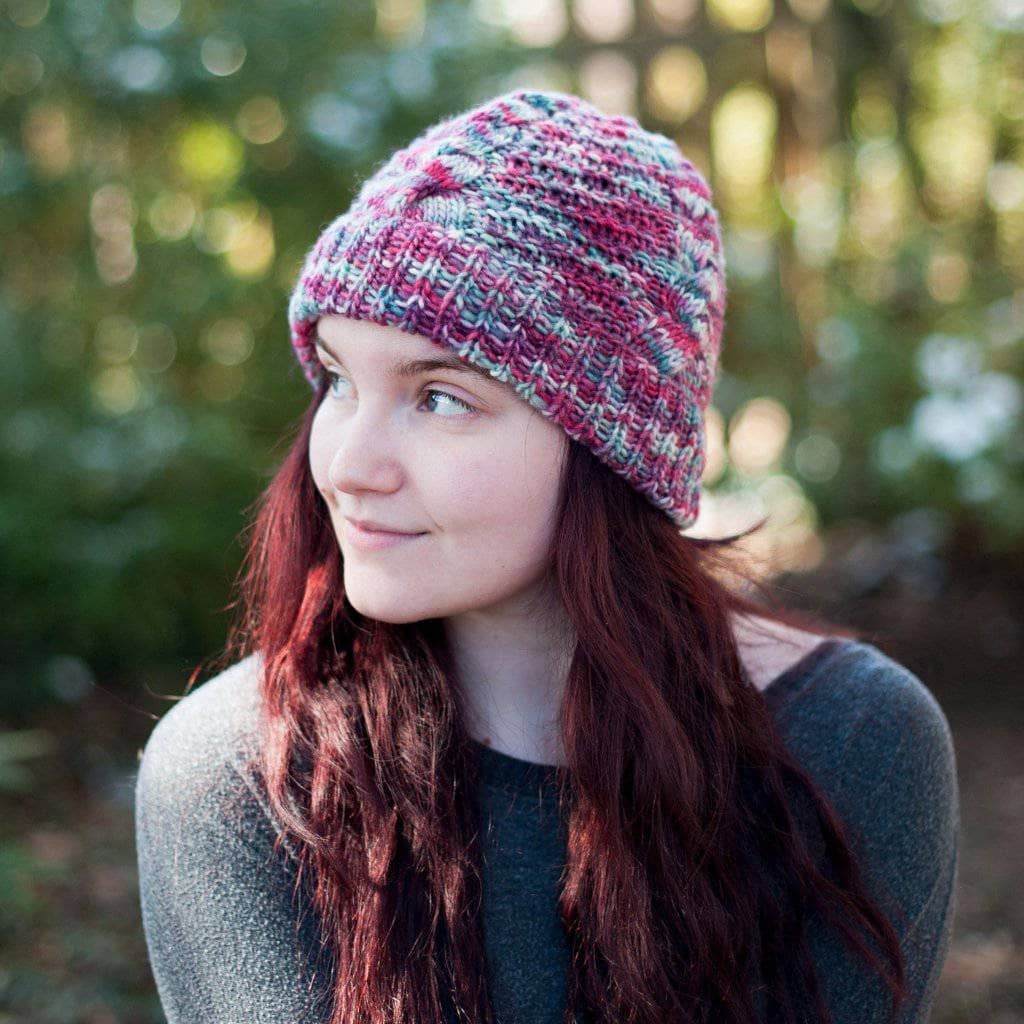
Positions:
{"x": 147, "y": 375}
{"x": 164, "y": 167}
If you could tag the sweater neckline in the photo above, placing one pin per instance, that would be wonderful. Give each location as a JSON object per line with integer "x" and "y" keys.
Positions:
{"x": 531, "y": 778}
{"x": 501, "y": 770}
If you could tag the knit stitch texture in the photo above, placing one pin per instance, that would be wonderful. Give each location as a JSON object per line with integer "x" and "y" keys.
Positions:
{"x": 571, "y": 253}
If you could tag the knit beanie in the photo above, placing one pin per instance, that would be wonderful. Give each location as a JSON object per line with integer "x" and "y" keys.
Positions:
{"x": 571, "y": 253}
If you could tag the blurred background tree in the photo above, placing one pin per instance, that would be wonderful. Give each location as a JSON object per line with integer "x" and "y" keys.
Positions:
{"x": 165, "y": 166}
{"x": 164, "y": 169}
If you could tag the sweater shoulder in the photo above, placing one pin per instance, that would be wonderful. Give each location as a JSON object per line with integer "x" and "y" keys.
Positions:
{"x": 873, "y": 736}
{"x": 876, "y": 739}
{"x": 844, "y": 687}
{"x": 206, "y": 741}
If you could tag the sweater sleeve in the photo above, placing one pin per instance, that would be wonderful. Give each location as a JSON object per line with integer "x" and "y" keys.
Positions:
{"x": 228, "y": 941}
{"x": 892, "y": 777}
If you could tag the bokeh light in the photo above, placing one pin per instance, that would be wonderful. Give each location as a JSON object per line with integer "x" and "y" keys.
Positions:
{"x": 677, "y": 83}
{"x": 758, "y": 433}
{"x": 740, "y": 15}
{"x": 609, "y": 80}
{"x": 209, "y": 153}
{"x": 603, "y": 21}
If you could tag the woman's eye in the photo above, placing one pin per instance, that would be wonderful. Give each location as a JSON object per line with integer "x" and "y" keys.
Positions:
{"x": 332, "y": 377}
{"x": 451, "y": 398}
{"x": 428, "y": 396}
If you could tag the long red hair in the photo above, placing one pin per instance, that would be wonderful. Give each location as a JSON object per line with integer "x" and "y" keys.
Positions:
{"x": 697, "y": 845}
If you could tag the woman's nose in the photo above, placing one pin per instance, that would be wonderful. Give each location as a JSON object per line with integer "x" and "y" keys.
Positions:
{"x": 367, "y": 454}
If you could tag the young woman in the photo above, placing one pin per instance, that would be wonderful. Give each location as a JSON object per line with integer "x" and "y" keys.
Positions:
{"x": 496, "y": 740}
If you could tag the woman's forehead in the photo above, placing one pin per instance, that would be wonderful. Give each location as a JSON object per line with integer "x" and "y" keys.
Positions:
{"x": 396, "y": 352}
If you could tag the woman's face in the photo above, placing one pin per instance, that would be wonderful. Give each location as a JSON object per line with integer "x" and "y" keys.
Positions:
{"x": 480, "y": 482}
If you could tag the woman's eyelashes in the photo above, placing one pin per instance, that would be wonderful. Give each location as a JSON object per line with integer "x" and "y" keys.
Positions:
{"x": 451, "y": 398}
{"x": 334, "y": 377}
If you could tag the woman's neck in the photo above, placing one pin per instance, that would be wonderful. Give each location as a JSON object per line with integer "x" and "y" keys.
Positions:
{"x": 511, "y": 670}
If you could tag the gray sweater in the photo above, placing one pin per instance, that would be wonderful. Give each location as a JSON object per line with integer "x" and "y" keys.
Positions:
{"x": 227, "y": 944}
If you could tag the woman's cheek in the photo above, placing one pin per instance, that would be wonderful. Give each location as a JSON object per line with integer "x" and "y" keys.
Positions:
{"x": 319, "y": 455}
{"x": 489, "y": 486}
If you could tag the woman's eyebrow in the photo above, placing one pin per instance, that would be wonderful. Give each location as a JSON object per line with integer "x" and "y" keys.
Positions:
{"x": 413, "y": 367}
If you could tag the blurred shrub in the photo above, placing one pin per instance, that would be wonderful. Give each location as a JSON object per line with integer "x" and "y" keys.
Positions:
{"x": 165, "y": 167}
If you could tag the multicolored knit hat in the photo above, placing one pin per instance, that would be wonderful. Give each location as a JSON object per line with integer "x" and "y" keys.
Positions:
{"x": 571, "y": 253}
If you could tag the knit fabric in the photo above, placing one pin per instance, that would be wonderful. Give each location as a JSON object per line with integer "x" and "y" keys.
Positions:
{"x": 572, "y": 254}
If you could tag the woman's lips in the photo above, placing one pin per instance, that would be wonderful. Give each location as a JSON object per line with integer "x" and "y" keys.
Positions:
{"x": 375, "y": 540}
